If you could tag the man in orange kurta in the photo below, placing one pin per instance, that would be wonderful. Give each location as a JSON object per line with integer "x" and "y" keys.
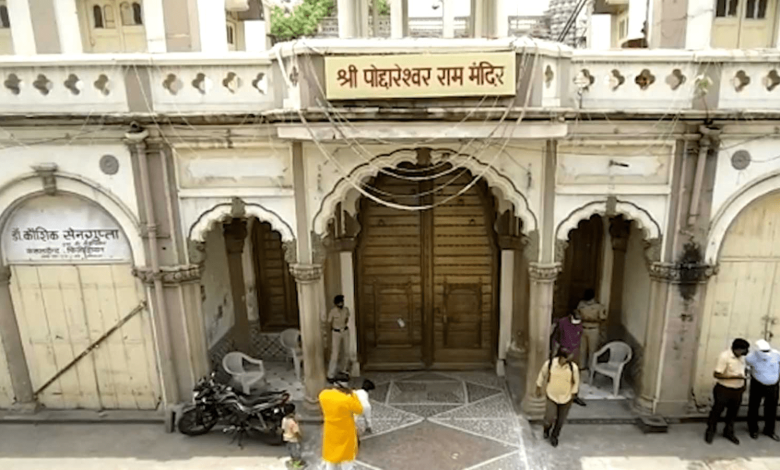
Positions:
{"x": 339, "y": 436}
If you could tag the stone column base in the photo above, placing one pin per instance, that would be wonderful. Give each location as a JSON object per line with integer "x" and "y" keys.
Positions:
{"x": 501, "y": 368}
{"x": 26, "y": 408}
{"x": 534, "y": 407}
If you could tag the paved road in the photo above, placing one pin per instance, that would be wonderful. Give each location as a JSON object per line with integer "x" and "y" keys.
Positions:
{"x": 423, "y": 421}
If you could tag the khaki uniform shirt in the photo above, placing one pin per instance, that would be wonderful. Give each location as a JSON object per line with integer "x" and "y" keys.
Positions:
{"x": 338, "y": 318}
{"x": 730, "y": 364}
{"x": 592, "y": 311}
{"x": 562, "y": 386}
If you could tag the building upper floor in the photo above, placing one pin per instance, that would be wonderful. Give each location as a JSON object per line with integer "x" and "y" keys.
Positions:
{"x": 684, "y": 24}
{"x": 400, "y": 79}
{"x": 29, "y": 27}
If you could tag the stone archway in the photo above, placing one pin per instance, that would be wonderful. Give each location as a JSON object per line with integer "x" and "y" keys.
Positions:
{"x": 343, "y": 215}
{"x": 623, "y": 243}
{"x": 14, "y": 196}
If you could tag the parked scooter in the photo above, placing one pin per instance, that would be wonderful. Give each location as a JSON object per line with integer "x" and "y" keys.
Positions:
{"x": 244, "y": 415}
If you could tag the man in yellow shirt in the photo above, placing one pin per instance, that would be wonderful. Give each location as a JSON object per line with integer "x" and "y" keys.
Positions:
{"x": 730, "y": 382}
{"x": 339, "y": 435}
{"x": 561, "y": 377}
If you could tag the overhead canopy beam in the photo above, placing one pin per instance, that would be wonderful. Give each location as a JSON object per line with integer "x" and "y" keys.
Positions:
{"x": 422, "y": 130}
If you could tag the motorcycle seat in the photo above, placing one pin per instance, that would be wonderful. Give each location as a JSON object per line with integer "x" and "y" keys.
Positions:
{"x": 263, "y": 397}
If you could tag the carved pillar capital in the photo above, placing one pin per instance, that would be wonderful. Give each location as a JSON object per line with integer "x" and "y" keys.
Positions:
{"x": 5, "y": 275}
{"x": 539, "y": 272}
{"x": 306, "y": 273}
{"x": 678, "y": 273}
{"x": 169, "y": 275}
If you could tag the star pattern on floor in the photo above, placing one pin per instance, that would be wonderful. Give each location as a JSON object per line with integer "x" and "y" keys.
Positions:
{"x": 442, "y": 412}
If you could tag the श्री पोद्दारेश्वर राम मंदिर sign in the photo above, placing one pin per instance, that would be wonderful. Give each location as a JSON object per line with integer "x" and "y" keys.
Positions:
{"x": 420, "y": 75}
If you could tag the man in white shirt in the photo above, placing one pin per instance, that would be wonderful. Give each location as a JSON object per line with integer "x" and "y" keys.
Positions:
{"x": 765, "y": 374}
{"x": 338, "y": 320}
{"x": 362, "y": 394}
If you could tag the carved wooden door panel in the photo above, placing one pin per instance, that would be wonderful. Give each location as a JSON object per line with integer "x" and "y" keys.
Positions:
{"x": 426, "y": 279}
{"x": 277, "y": 298}
{"x": 464, "y": 262}
{"x": 390, "y": 314}
{"x": 581, "y": 265}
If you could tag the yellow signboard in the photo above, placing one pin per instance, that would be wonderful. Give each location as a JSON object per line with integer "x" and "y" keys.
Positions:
{"x": 420, "y": 75}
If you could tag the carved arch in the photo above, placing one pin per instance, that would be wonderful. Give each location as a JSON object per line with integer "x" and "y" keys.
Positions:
{"x": 650, "y": 228}
{"x": 343, "y": 190}
{"x": 28, "y": 186}
{"x": 733, "y": 207}
{"x": 224, "y": 212}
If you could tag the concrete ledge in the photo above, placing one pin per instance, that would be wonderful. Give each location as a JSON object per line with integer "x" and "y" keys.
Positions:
{"x": 82, "y": 417}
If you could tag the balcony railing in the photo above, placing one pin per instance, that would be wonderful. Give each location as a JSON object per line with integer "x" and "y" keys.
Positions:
{"x": 659, "y": 82}
{"x": 432, "y": 27}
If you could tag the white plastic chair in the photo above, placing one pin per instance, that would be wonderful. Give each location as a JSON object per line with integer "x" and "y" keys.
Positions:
{"x": 289, "y": 340}
{"x": 234, "y": 364}
{"x": 619, "y": 355}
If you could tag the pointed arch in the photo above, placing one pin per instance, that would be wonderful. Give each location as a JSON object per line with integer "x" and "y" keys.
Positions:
{"x": 650, "y": 228}
{"x": 499, "y": 184}
{"x": 223, "y": 213}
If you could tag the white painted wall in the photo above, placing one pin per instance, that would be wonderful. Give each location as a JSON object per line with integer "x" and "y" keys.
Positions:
{"x": 21, "y": 27}
{"x": 600, "y": 32}
{"x": 75, "y": 159}
{"x": 218, "y": 304}
{"x": 212, "y": 19}
{"x": 636, "y": 287}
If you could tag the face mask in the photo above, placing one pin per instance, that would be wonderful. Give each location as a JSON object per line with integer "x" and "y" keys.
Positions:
{"x": 575, "y": 321}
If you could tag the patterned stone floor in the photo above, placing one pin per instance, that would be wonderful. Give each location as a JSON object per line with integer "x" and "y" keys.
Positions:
{"x": 461, "y": 420}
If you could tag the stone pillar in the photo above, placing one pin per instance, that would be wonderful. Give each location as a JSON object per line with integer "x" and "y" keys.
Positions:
{"x": 212, "y": 19}
{"x": 235, "y": 234}
{"x": 539, "y": 329}
{"x": 12, "y": 344}
{"x": 22, "y": 32}
{"x": 68, "y": 27}
{"x": 307, "y": 277}
{"x": 399, "y": 19}
{"x": 448, "y": 18}
{"x": 509, "y": 245}
{"x": 347, "y": 19}
{"x": 255, "y": 36}
{"x": 619, "y": 231}
{"x": 154, "y": 25}
{"x": 698, "y": 30}
{"x": 500, "y": 19}
{"x": 348, "y": 291}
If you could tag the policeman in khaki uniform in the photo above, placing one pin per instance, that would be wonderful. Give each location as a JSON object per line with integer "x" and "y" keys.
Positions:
{"x": 338, "y": 321}
{"x": 593, "y": 316}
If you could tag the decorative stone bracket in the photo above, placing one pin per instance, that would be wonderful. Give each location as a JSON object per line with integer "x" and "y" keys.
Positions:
{"x": 306, "y": 273}
{"x": 170, "y": 275}
{"x": 46, "y": 172}
{"x": 544, "y": 272}
{"x": 676, "y": 273}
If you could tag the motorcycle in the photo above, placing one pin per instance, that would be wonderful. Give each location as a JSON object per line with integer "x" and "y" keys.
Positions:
{"x": 243, "y": 415}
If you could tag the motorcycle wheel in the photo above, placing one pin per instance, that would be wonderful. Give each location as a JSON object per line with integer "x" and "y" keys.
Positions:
{"x": 193, "y": 423}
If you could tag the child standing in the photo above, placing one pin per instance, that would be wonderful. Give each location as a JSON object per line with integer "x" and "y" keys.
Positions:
{"x": 292, "y": 435}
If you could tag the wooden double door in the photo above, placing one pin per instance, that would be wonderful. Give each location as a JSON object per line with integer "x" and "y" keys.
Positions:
{"x": 427, "y": 280}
